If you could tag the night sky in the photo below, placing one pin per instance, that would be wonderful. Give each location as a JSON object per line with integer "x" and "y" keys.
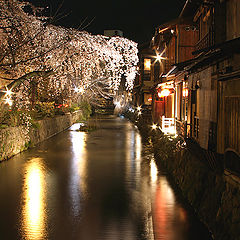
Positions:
{"x": 136, "y": 18}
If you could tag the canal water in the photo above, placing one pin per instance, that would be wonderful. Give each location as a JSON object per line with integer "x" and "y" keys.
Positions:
{"x": 90, "y": 186}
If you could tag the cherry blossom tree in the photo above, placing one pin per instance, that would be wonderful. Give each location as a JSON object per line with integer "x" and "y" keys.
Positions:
{"x": 41, "y": 61}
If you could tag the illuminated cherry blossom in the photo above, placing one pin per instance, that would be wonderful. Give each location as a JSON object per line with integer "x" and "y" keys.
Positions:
{"x": 41, "y": 61}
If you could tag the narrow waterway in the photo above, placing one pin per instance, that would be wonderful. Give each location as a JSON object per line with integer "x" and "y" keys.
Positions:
{"x": 90, "y": 186}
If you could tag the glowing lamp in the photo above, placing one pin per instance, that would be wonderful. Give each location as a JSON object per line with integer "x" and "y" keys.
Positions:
{"x": 118, "y": 104}
{"x": 185, "y": 92}
{"x": 8, "y": 92}
{"x": 147, "y": 64}
{"x": 164, "y": 93}
{"x": 154, "y": 126}
{"x": 9, "y": 101}
{"x": 139, "y": 108}
{"x": 79, "y": 89}
{"x": 159, "y": 58}
{"x": 76, "y": 89}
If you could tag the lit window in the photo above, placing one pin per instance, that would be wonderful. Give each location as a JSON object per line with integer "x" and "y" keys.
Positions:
{"x": 147, "y": 64}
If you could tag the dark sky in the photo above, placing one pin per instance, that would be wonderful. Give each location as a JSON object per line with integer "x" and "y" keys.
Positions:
{"x": 136, "y": 18}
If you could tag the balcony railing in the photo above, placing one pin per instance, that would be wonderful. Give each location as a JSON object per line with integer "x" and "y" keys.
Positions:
{"x": 205, "y": 42}
{"x": 196, "y": 127}
{"x": 181, "y": 128}
{"x": 168, "y": 125}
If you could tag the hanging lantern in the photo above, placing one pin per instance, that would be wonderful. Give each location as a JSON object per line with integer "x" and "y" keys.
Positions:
{"x": 164, "y": 93}
{"x": 185, "y": 92}
{"x": 147, "y": 64}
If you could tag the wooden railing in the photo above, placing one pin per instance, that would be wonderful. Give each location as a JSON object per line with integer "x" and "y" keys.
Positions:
{"x": 168, "y": 125}
{"x": 196, "y": 127}
{"x": 181, "y": 128}
{"x": 206, "y": 41}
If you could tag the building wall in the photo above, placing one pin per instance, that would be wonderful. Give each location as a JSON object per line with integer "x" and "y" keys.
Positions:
{"x": 233, "y": 19}
{"x": 170, "y": 54}
{"x": 229, "y": 115}
{"x": 112, "y": 33}
{"x": 206, "y": 104}
{"x": 187, "y": 38}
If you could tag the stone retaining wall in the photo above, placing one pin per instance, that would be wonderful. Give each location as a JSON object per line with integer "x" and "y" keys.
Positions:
{"x": 16, "y": 139}
{"x": 214, "y": 196}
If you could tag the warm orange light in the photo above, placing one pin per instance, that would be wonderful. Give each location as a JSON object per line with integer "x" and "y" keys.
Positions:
{"x": 150, "y": 99}
{"x": 147, "y": 64}
{"x": 185, "y": 92}
{"x": 164, "y": 93}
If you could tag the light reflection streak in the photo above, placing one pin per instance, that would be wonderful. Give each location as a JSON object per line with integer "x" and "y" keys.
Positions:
{"x": 133, "y": 154}
{"x": 129, "y": 154}
{"x": 78, "y": 173}
{"x": 34, "y": 208}
{"x": 140, "y": 191}
{"x": 164, "y": 210}
{"x": 138, "y": 148}
{"x": 154, "y": 171}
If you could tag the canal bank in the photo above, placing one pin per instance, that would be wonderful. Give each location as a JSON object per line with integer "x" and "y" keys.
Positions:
{"x": 214, "y": 195}
{"x": 14, "y": 140}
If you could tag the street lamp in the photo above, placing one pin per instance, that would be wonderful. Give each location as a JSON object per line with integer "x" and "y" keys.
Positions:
{"x": 79, "y": 90}
{"x": 8, "y": 101}
{"x": 154, "y": 126}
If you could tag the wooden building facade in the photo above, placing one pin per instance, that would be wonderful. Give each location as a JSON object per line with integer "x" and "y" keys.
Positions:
{"x": 195, "y": 77}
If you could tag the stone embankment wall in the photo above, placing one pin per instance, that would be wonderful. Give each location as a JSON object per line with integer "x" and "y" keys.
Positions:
{"x": 16, "y": 139}
{"x": 215, "y": 196}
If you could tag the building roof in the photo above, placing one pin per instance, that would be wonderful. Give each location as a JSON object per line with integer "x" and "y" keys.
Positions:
{"x": 210, "y": 54}
{"x": 189, "y": 8}
{"x": 232, "y": 45}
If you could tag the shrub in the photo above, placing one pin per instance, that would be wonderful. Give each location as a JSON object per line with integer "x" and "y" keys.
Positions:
{"x": 9, "y": 117}
{"x": 61, "y": 109}
{"x": 14, "y": 117}
{"x": 43, "y": 109}
{"x": 86, "y": 109}
{"x": 74, "y": 107}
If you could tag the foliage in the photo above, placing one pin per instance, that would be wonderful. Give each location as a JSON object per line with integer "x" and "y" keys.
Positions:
{"x": 61, "y": 109}
{"x": 43, "y": 109}
{"x": 9, "y": 118}
{"x": 74, "y": 107}
{"x": 15, "y": 117}
{"x": 86, "y": 109}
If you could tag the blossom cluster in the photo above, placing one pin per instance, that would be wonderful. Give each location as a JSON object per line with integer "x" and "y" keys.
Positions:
{"x": 51, "y": 61}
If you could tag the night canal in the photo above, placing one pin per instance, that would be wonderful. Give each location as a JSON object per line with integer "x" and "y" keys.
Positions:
{"x": 90, "y": 186}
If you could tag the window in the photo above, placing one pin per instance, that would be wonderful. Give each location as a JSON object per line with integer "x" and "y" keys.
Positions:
{"x": 147, "y": 64}
{"x": 147, "y": 98}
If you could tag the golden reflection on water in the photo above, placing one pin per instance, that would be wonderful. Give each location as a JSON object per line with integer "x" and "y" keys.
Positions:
{"x": 153, "y": 172}
{"x": 79, "y": 163}
{"x": 34, "y": 208}
{"x": 78, "y": 170}
{"x": 138, "y": 147}
{"x": 133, "y": 146}
{"x": 164, "y": 210}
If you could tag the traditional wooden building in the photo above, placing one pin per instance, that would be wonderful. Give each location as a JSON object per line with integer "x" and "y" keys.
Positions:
{"x": 173, "y": 42}
{"x": 213, "y": 85}
{"x": 142, "y": 95}
{"x": 213, "y": 81}
{"x": 194, "y": 73}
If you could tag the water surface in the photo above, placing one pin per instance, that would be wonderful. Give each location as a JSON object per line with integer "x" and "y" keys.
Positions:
{"x": 90, "y": 186}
